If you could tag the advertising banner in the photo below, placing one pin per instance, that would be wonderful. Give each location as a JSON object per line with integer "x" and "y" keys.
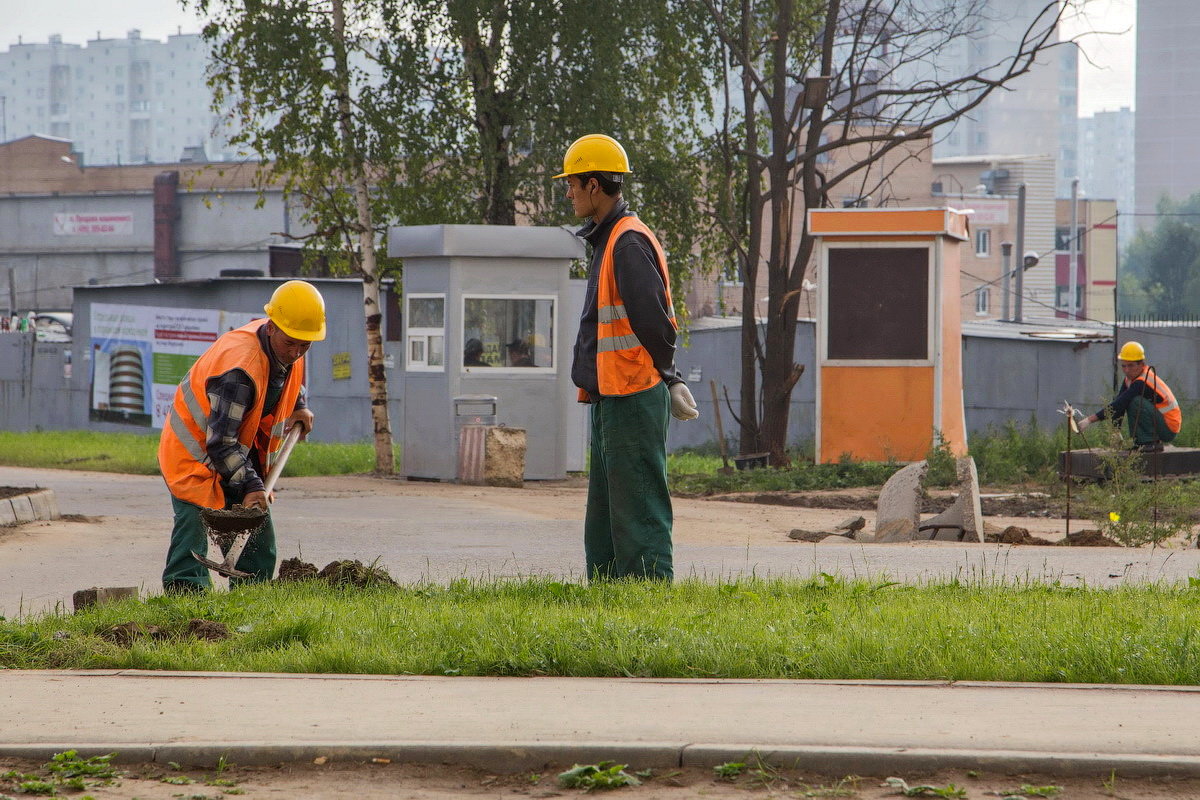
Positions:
{"x": 140, "y": 354}
{"x": 94, "y": 224}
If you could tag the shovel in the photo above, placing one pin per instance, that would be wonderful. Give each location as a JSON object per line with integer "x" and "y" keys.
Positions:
{"x": 240, "y": 522}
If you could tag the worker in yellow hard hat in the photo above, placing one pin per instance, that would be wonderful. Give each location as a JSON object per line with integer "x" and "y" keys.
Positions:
{"x": 226, "y": 426}
{"x": 1149, "y": 406}
{"x": 624, "y": 366}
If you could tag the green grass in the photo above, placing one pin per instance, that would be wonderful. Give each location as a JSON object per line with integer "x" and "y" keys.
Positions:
{"x": 138, "y": 454}
{"x": 823, "y": 628}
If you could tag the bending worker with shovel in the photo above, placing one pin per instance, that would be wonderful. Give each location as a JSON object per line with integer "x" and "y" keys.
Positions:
{"x": 1147, "y": 403}
{"x": 226, "y": 427}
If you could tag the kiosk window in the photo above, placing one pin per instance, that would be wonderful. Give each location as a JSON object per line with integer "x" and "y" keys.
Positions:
{"x": 508, "y": 332}
{"x": 878, "y": 303}
{"x": 426, "y": 333}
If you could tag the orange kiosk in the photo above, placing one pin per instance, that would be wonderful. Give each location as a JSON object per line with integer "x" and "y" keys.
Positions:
{"x": 889, "y": 332}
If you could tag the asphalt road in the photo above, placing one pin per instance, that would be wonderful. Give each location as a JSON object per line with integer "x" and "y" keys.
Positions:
{"x": 430, "y": 531}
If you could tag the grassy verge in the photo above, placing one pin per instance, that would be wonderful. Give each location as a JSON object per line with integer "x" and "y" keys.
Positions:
{"x": 824, "y": 628}
{"x": 137, "y": 454}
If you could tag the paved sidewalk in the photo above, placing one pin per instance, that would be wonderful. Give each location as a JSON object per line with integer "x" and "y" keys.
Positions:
{"x": 509, "y": 724}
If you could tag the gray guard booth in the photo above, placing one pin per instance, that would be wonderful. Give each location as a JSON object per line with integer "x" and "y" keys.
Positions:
{"x": 490, "y": 311}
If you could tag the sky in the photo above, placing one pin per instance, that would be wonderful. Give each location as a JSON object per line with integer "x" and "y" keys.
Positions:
{"x": 1106, "y": 83}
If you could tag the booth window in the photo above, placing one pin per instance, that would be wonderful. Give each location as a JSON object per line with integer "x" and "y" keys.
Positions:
{"x": 426, "y": 332}
{"x": 506, "y": 332}
{"x": 878, "y": 303}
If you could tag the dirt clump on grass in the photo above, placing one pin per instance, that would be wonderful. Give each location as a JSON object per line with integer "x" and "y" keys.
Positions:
{"x": 207, "y": 629}
{"x": 355, "y": 573}
{"x": 125, "y": 634}
{"x": 345, "y": 572}
{"x": 293, "y": 569}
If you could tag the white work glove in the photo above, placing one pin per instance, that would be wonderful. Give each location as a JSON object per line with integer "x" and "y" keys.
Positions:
{"x": 1083, "y": 423}
{"x": 683, "y": 405}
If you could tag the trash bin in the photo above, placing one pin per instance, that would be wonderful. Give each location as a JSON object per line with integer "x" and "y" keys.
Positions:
{"x": 473, "y": 415}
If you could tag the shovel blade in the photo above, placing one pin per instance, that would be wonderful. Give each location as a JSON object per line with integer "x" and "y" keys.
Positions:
{"x": 220, "y": 567}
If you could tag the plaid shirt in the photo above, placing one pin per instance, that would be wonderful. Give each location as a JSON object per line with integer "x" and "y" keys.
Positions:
{"x": 229, "y": 395}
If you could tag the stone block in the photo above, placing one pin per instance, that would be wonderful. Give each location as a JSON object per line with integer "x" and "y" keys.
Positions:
{"x": 101, "y": 594}
{"x": 504, "y": 457}
{"x": 23, "y": 508}
{"x": 45, "y": 504}
{"x": 7, "y": 515}
{"x": 900, "y": 502}
{"x": 895, "y": 530}
{"x": 963, "y": 520}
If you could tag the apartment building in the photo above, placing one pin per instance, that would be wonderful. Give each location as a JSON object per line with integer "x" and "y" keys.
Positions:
{"x": 121, "y": 101}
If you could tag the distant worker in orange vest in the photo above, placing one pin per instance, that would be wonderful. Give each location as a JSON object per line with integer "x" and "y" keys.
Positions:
{"x": 227, "y": 423}
{"x": 624, "y": 367}
{"x": 1149, "y": 406}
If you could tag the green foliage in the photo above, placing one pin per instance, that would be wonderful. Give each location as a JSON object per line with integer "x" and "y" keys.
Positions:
{"x": 824, "y": 628}
{"x": 138, "y": 454}
{"x": 1132, "y": 509}
{"x": 1161, "y": 268}
{"x": 605, "y": 775}
{"x": 925, "y": 790}
{"x": 942, "y": 465}
{"x": 68, "y": 764}
{"x": 730, "y": 769}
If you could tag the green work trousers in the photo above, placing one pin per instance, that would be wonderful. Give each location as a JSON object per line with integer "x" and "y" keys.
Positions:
{"x": 184, "y": 573}
{"x": 1146, "y": 423}
{"x": 627, "y": 529}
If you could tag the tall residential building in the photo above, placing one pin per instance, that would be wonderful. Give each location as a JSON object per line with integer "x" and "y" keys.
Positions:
{"x": 1106, "y": 163}
{"x": 1168, "y": 103}
{"x": 121, "y": 101}
{"x": 1036, "y": 113}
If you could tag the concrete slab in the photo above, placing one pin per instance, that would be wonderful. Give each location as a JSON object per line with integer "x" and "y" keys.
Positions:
{"x": 7, "y": 515}
{"x": 45, "y": 505}
{"x": 23, "y": 508}
{"x": 1171, "y": 461}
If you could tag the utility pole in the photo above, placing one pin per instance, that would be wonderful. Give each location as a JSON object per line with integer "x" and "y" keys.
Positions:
{"x": 1006, "y": 249}
{"x": 1073, "y": 262}
{"x": 1017, "y": 313}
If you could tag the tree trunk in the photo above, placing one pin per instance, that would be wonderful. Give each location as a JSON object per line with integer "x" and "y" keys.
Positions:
{"x": 376, "y": 376}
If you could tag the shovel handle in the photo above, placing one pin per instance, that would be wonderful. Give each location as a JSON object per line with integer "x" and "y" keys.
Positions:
{"x": 289, "y": 442}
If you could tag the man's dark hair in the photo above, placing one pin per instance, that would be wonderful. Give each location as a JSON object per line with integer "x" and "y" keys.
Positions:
{"x": 610, "y": 182}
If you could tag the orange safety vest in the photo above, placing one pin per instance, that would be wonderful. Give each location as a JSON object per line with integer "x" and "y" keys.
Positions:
{"x": 623, "y": 365}
{"x": 1169, "y": 407}
{"x": 182, "y": 448}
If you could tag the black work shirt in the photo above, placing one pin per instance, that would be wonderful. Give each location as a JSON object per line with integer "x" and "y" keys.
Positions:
{"x": 230, "y": 394}
{"x": 1120, "y": 403}
{"x": 640, "y": 285}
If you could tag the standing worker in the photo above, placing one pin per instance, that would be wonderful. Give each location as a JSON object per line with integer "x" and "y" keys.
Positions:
{"x": 1147, "y": 403}
{"x": 624, "y": 367}
{"x": 229, "y": 417}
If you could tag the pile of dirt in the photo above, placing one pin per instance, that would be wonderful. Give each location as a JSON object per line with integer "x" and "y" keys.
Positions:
{"x": 337, "y": 573}
{"x": 1015, "y": 505}
{"x": 1014, "y": 535}
{"x": 354, "y": 573}
{"x": 293, "y": 569}
{"x": 13, "y": 491}
{"x": 1088, "y": 538}
{"x": 125, "y": 634}
{"x": 207, "y": 629}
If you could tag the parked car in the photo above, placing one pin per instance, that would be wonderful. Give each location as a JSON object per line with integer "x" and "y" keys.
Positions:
{"x": 53, "y": 326}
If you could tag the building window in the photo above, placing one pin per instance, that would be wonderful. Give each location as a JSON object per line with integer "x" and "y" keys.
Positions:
{"x": 426, "y": 333}
{"x": 505, "y": 332}
{"x": 983, "y": 242}
{"x": 982, "y": 300}
{"x": 1061, "y": 293}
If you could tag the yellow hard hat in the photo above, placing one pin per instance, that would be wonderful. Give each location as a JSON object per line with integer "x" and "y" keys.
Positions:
{"x": 594, "y": 153}
{"x": 298, "y": 310}
{"x": 1132, "y": 351}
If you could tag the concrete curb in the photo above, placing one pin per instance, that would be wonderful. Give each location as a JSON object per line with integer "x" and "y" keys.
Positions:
{"x": 22, "y": 508}
{"x": 518, "y": 757}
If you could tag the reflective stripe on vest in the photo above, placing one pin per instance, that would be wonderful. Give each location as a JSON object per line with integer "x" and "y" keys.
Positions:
{"x": 623, "y": 365}
{"x": 182, "y": 450}
{"x": 1169, "y": 406}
